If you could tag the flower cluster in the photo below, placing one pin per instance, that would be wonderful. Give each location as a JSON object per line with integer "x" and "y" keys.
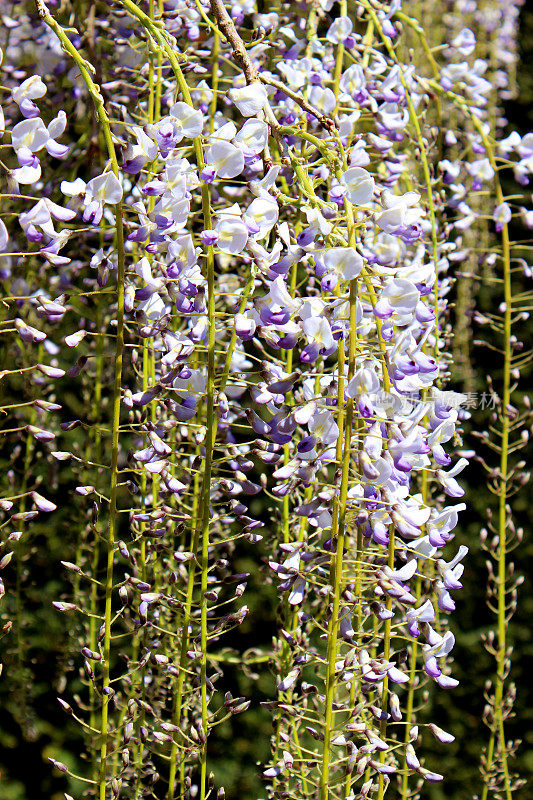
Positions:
{"x": 243, "y": 265}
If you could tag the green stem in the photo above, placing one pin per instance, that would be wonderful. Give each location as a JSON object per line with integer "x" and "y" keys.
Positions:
{"x": 345, "y": 416}
{"x": 339, "y": 59}
{"x": 96, "y": 96}
{"x": 497, "y": 729}
{"x": 335, "y": 574}
{"x": 502, "y": 507}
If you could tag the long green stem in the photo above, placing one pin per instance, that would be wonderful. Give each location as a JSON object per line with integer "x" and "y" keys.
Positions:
{"x": 338, "y": 530}
{"x": 93, "y": 602}
{"x": 497, "y": 730}
{"x": 335, "y": 574}
{"x": 502, "y": 506}
{"x": 339, "y": 59}
{"x": 154, "y": 113}
{"x": 96, "y": 96}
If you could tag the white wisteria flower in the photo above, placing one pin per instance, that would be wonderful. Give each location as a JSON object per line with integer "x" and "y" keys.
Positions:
{"x": 226, "y": 160}
{"x": 105, "y": 188}
{"x": 4, "y": 236}
{"x": 343, "y": 261}
{"x": 339, "y": 30}
{"x": 231, "y": 232}
{"x": 262, "y": 213}
{"x": 29, "y": 90}
{"x": 250, "y": 99}
{"x": 253, "y": 136}
{"x": 400, "y": 210}
{"x": 360, "y": 185}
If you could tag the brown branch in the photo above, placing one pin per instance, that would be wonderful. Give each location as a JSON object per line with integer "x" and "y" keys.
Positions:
{"x": 301, "y": 101}
{"x": 227, "y": 27}
{"x": 240, "y": 54}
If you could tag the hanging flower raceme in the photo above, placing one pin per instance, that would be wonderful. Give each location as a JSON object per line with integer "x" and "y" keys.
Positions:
{"x": 247, "y": 265}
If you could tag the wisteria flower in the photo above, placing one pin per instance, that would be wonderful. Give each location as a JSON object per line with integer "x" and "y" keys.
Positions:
{"x": 339, "y": 30}
{"x": 138, "y": 155}
{"x": 223, "y": 159}
{"x": 502, "y": 215}
{"x": 252, "y": 137}
{"x": 230, "y": 231}
{"x": 250, "y": 99}
{"x": 261, "y": 215}
{"x": 402, "y": 214}
{"x": 105, "y": 188}
{"x": 31, "y": 89}
{"x": 359, "y": 184}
